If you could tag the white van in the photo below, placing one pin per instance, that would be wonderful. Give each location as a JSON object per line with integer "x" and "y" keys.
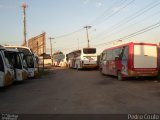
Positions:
{"x": 6, "y": 69}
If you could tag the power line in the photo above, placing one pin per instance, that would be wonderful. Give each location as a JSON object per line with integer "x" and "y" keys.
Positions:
{"x": 131, "y": 35}
{"x": 114, "y": 12}
{"x": 146, "y": 18}
{"x": 149, "y": 28}
{"x": 68, "y": 34}
{"x": 107, "y": 11}
{"x": 133, "y": 16}
{"x": 108, "y": 17}
{"x": 142, "y": 31}
{"x": 146, "y": 29}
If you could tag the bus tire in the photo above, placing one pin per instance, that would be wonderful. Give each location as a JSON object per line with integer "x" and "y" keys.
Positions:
{"x": 68, "y": 66}
{"x": 119, "y": 76}
{"x": 100, "y": 70}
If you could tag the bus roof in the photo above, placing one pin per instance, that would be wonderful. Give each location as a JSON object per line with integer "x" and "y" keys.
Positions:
{"x": 135, "y": 43}
{"x": 11, "y": 50}
{"x": 81, "y": 49}
{"x": 2, "y": 47}
{"x": 25, "y": 50}
{"x": 13, "y": 46}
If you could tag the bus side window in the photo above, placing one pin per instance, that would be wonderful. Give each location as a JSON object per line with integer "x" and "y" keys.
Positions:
{"x": 125, "y": 53}
{"x": 109, "y": 55}
{"x": 1, "y": 64}
{"x": 120, "y": 54}
{"x": 18, "y": 62}
{"x": 30, "y": 62}
{"x": 116, "y": 53}
{"x": 103, "y": 56}
{"x": 7, "y": 60}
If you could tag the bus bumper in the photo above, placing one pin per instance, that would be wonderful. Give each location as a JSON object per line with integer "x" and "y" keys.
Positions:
{"x": 89, "y": 66}
{"x": 36, "y": 74}
{"x": 141, "y": 73}
{"x": 24, "y": 75}
{"x": 8, "y": 79}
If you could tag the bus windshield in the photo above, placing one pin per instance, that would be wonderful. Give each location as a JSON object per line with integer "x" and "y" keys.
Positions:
{"x": 30, "y": 61}
{"x": 14, "y": 58}
{"x": 89, "y": 50}
{"x": 25, "y": 51}
{"x": 1, "y": 64}
{"x": 6, "y": 56}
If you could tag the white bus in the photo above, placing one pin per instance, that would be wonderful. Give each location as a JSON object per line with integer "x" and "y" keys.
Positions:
{"x": 83, "y": 58}
{"x": 30, "y": 58}
{"x": 19, "y": 64}
{"x": 6, "y": 69}
{"x": 59, "y": 59}
{"x": 63, "y": 62}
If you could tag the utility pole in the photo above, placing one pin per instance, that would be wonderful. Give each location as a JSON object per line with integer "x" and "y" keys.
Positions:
{"x": 24, "y": 6}
{"x": 51, "y": 49}
{"x": 87, "y": 27}
{"x": 37, "y": 55}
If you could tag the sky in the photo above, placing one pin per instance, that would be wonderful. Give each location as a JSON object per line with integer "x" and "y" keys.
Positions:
{"x": 64, "y": 20}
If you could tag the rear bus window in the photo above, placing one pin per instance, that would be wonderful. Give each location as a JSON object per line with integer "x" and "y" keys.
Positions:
{"x": 89, "y": 50}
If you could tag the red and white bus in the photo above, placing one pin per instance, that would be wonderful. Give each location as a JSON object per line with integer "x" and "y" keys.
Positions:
{"x": 130, "y": 60}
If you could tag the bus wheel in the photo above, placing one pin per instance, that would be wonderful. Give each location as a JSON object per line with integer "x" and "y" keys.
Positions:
{"x": 119, "y": 76}
{"x": 68, "y": 65}
{"x": 100, "y": 70}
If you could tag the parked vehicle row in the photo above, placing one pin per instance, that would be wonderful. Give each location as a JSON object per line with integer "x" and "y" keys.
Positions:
{"x": 16, "y": 64}
{"x": 125, "y": 60}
